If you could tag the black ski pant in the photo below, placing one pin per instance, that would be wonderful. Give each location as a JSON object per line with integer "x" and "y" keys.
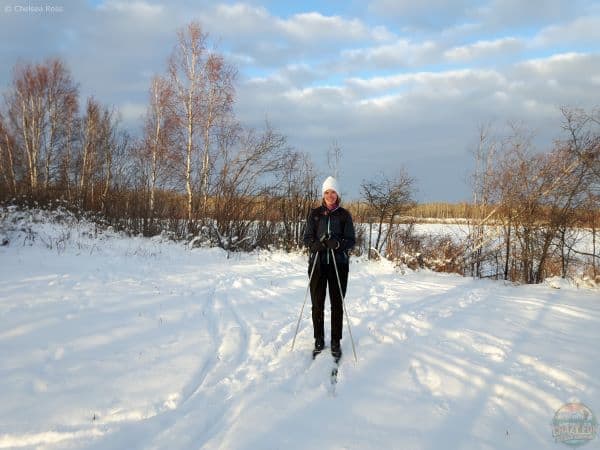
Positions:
{"x": 323, "y": 276}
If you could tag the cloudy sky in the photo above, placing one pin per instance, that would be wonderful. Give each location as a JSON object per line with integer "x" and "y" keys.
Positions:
{"x": 394, "y": 83}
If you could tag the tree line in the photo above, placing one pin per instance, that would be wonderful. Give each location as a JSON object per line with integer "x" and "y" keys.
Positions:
{"x": 535, "y": 208}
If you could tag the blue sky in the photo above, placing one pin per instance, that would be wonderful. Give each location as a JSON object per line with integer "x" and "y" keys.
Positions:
{"x": 395, "y": 83}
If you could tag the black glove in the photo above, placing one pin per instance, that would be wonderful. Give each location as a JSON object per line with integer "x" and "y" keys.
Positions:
{"x": 332, "y": 244}
{"x": 317, "y": 246}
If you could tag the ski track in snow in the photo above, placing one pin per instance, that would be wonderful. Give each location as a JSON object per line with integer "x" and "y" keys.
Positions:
{"x": 146, "y": 345}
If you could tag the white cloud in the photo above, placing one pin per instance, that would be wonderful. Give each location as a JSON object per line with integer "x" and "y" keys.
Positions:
{"x": 243, "y": 19}
{"x": 272, "y": 40}
{"x": 507, "y": 14}
{"x": 485, "y": 49}
{"x": 136, "y": 8}
{"x": 293, "y": 75}
{"x": 556, "y": 64}
{"x": 382, "y": 34}
{"x": 315, "y": 27}
{"x": 402, "y": 53}
{"x": 239, "y": 20}
{"x": 581, "y": 30}
{"x": 316, "y": 95}
{"x": 439, "y": 82}
{"x": 432, "y": 14}
{"x": 382, "y": 101}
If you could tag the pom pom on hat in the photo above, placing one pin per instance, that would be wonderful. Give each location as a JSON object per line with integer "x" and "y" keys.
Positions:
{"x": 330, "y": 184}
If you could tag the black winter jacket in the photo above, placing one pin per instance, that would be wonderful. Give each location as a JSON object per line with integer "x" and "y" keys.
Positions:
{"x": 336, "y": 225}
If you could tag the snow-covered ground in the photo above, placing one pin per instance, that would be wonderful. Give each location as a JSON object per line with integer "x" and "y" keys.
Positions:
{"x": 581, "y": 239}
{"x": 109, "y": 342}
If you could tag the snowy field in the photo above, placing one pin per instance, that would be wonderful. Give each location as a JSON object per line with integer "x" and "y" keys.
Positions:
{"x": 580, "y": 239}
{"x": 108, "y": 342}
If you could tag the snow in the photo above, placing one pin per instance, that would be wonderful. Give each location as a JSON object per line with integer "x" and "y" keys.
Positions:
{"x": 113, "y": 342}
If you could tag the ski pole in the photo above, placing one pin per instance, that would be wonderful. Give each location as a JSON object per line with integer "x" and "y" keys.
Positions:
{"x": 344, "y": 304}
{"x": 305, "y": 297}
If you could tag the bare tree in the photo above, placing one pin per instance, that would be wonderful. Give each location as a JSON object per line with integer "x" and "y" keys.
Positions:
{"x": 27, "y": 111}
{"x": 536, "y": 197}
{"x": 481, "y": 183}
{"x": 40, "y": 107}
{"x": 583, "y": 142}
{"x": 387, "y": 198}
{"x": 111, "y": 139}
{"x": 217, "y": 103}
{"x": 157, "y": 148}
{"x": 522, "y": 184}
{"x": 249, "y": 171}
{"x": 70, "y": 125}
{"x": 7, "y": 158}
{"x": 578, "y": 156}
{"x": 62, "y": 105}
{"x": 203, "y": 93}
{"x": 297, "y": 193}
{"x": 95, "y": 160}
{"x": 90, "y": 143}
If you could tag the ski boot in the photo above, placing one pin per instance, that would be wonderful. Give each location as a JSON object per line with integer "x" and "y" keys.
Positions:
{"x": 319, "y": 346}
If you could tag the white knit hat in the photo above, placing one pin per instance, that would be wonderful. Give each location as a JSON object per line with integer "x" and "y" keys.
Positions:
{"x": 330, "y": 183}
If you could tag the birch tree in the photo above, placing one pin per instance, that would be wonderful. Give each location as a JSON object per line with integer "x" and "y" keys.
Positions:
{"x": 158, "y": 137}
{"x": 7, "y": 159}
{"x": 202, "y": 84}
{"x": 40, "y": 108}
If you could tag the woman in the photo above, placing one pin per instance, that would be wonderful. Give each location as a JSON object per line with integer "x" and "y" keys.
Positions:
{"x": 329, "y": 234}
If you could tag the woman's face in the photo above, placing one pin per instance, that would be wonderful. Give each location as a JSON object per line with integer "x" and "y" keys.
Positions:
{"x": 330, "y": 197}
